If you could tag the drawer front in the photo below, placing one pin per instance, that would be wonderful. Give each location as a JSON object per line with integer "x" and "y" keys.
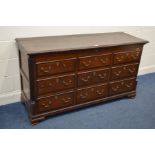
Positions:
{"x": 124, "y": 57}
{"x": 92, "y": 77}
{"x": 95, "y": 61}
{"x": 56, "y": 101}
{"x": 124, "y": 71}
{"x": 56, "y": 84}
{"x": 92, "y": 93}
{"x": 122, "y": 86}
{"x": 56, "y": 67}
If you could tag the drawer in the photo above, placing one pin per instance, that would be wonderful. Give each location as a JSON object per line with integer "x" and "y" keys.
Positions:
{"x": 56, "y": 84}
{"x": 56, "y": 101}
{"x": 124, "y": 71}
{"x": 95, "y": 61}
{"x": 125, "y": 57}
{"x": 55, "y": 67}
{"x": 92, "y": 93}
{"x": 122, "y": 86}
{"x": 92, "y": 77}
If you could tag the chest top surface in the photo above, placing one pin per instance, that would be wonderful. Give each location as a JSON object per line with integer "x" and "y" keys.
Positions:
{"x": 47, "y": 44}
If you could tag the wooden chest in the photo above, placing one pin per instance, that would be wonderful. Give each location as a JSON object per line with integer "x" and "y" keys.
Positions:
{"x": 63, "y": 73}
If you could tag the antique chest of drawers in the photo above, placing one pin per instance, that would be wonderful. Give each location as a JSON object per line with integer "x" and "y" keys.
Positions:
{"x": 63, "y": 73}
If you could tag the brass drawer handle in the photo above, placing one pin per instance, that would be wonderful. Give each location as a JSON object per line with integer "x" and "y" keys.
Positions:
{"x": 117, "y": 73}
{"x": 115, "y": 88}
{"x": 132, "y": 70}
{"x": 118, "y": 59}
{"x": 100, "y": 92}
{"x": 46, "y": 105}
{"x": 129, "y": 85}
{"x": 66, "y": 100}
{"x": 46, "y": 70}
{"x": 83, "y": 96}
{"x": 66, "y": 83}
{"x": 102, "y": 76}
{"x": 134, "y": 57}
{"x": 85, "y": 79}
{"x": 87, "y": 63}
{"x": 104, "y": 60}
{"x": 64, "y": 65}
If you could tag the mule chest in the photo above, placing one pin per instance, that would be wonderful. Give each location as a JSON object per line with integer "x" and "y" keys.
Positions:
{"x": 64, "y": 73}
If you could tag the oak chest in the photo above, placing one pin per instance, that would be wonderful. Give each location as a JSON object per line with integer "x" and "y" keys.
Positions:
{"x": 63, "y": 73}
